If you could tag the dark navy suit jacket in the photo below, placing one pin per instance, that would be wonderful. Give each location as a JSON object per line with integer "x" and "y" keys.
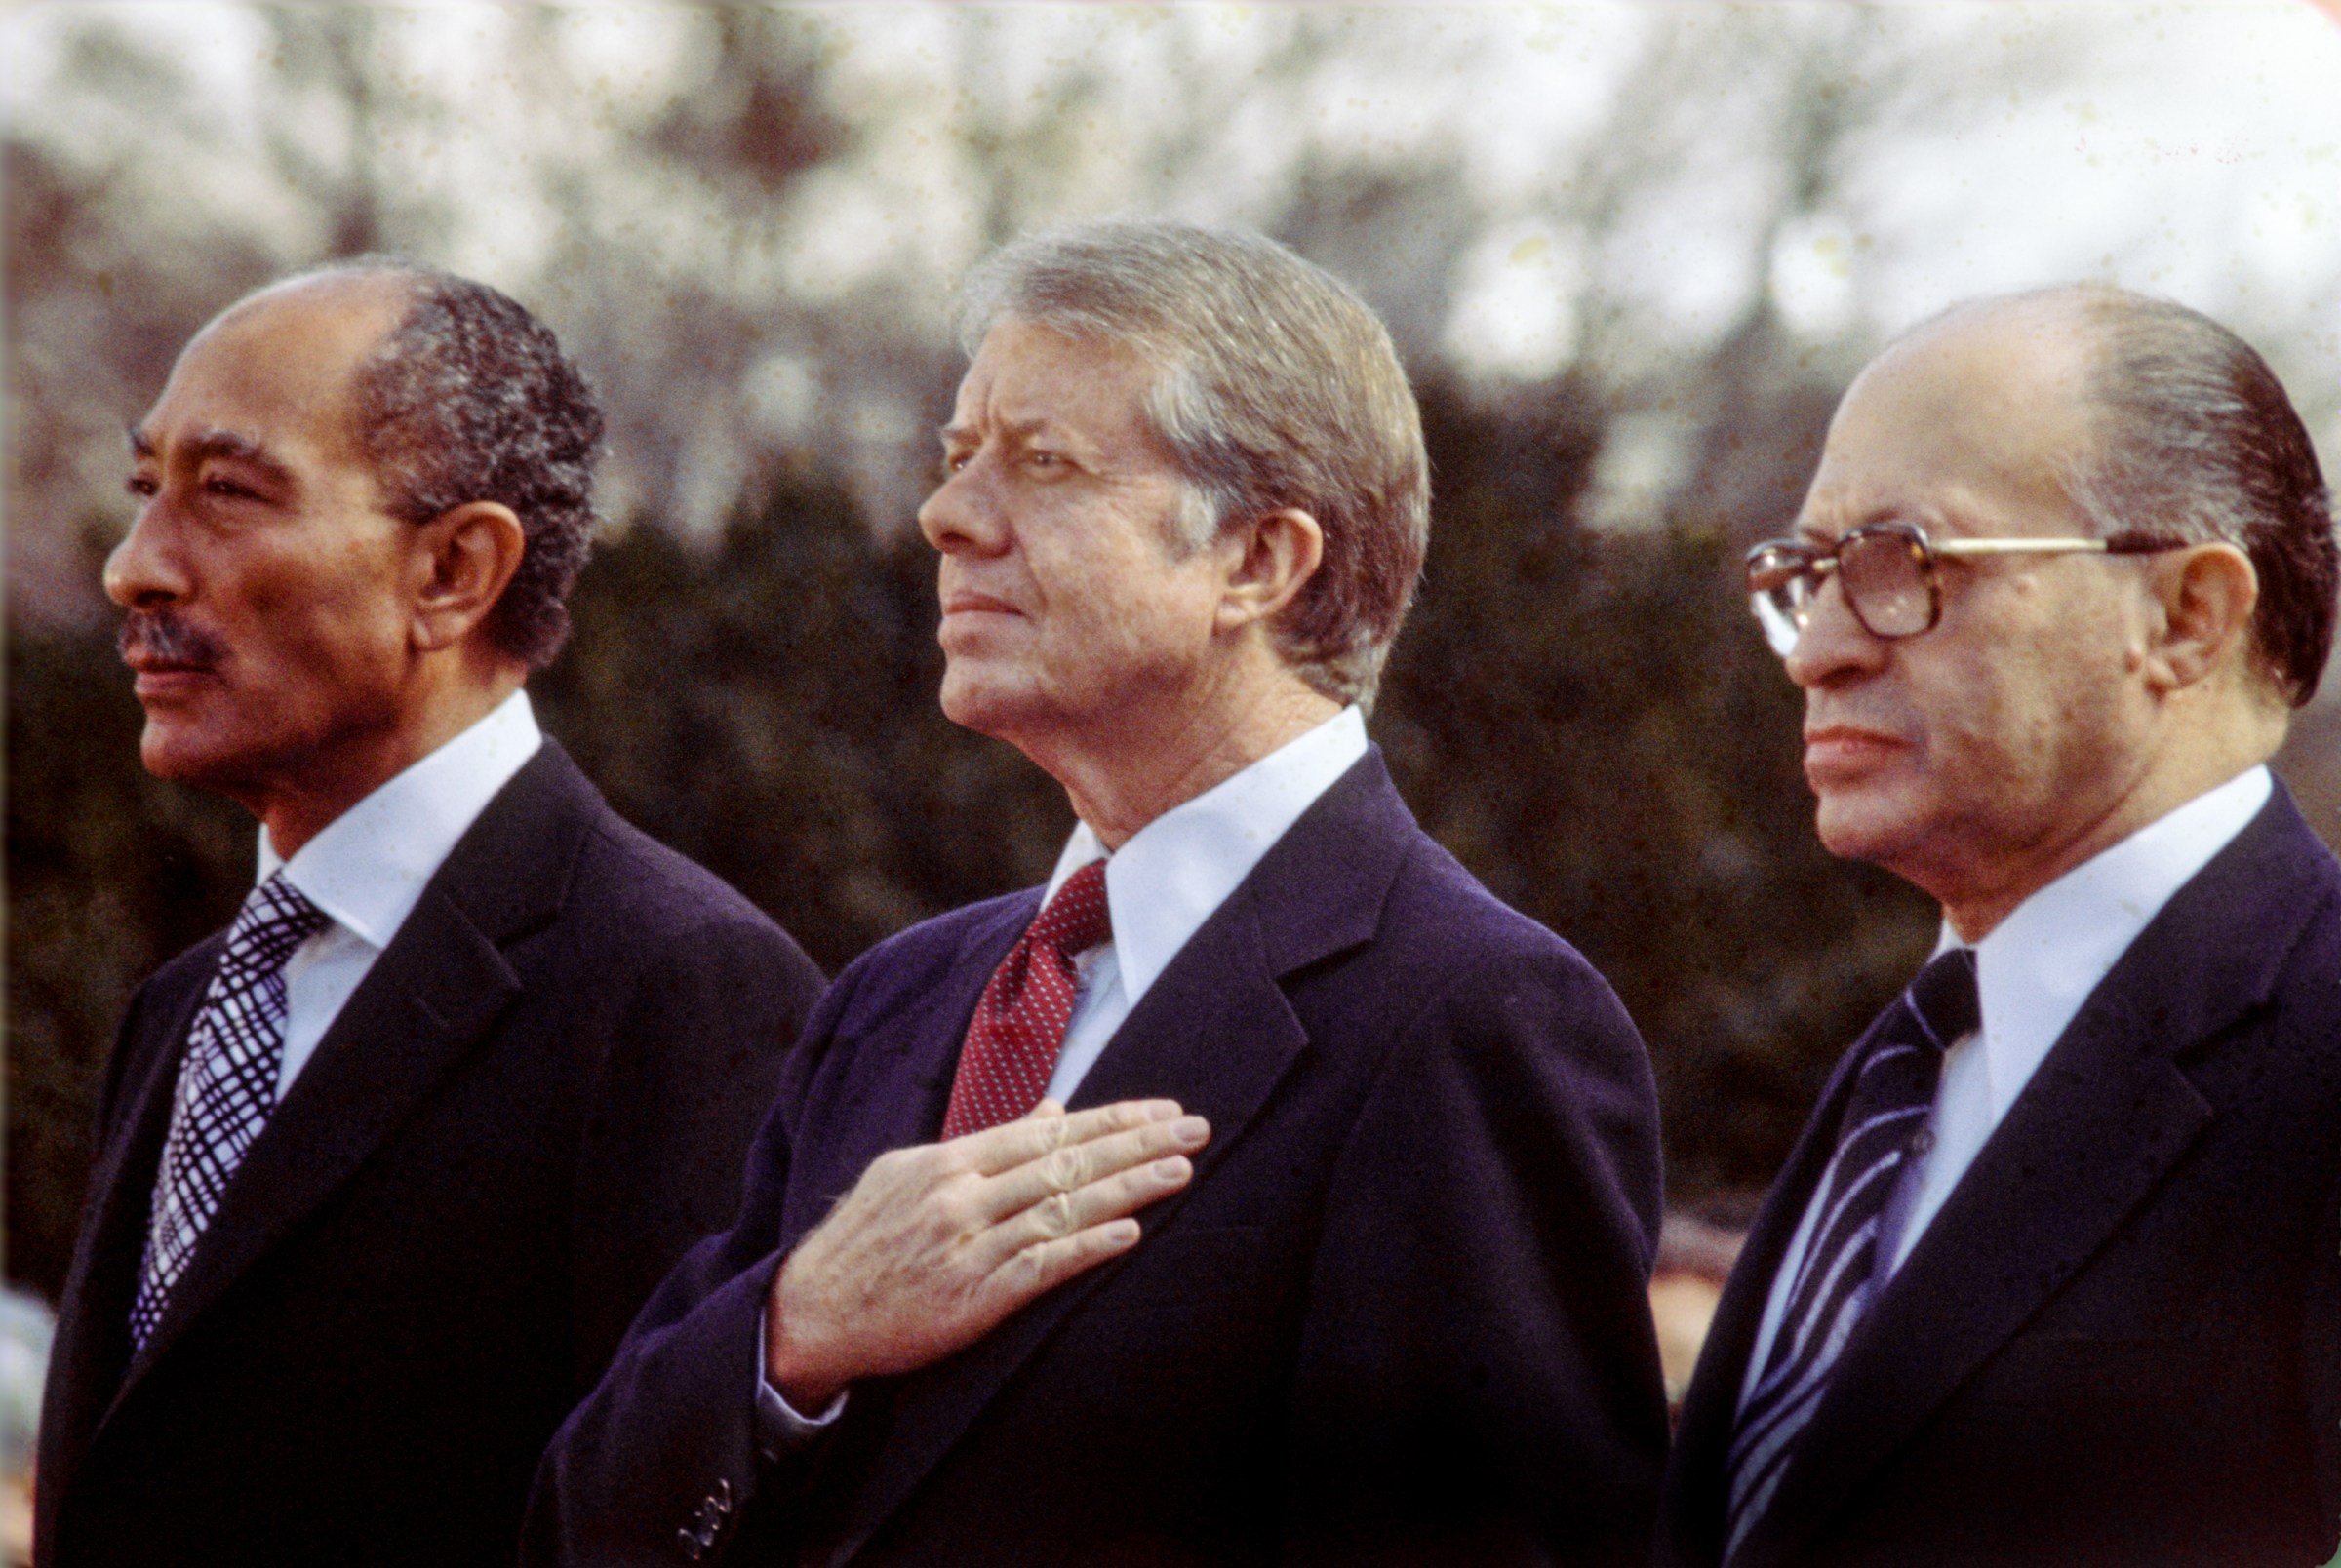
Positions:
{"x": 2120, "y": 1341}
{"x": 537, "y": 1099}
{"x": 1400, "y": 1314}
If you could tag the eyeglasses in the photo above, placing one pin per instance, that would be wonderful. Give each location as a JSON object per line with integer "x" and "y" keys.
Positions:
{"x": 1888, "y": 573}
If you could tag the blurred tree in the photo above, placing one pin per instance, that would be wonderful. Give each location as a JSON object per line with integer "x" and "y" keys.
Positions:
{"x": 768, "y": 709}
{"x": 344, "y": 116}
{"x": 1587, "y": 719}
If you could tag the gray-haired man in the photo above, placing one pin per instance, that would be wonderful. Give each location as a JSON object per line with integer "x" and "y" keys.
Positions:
{"x": 1394, "y": 1145}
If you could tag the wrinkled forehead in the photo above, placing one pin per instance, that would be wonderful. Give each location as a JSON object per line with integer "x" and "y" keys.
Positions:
{"x": 1027, "y": 375}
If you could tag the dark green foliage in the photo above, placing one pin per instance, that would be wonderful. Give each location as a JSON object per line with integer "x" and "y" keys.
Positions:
{"x": 770, "y": 710}
{"x": 1589, "y": 722}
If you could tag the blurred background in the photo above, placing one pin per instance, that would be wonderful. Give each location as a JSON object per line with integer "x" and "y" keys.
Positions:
{"x": 1630, "y": 254}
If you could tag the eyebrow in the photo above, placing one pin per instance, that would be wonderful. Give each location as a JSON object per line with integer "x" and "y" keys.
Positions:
{"x": 1021, "y": 429}
{"x": 218, "y": 444}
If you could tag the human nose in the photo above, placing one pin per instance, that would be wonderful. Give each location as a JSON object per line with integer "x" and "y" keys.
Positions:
{"x": 1832, "y": 643}
{"x": 146, "y": 568}
{"x": 962, "y": 512}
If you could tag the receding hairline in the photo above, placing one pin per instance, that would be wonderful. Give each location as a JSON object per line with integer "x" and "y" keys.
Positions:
{"x": 2019, "y": 374}
{"x": 2084, "y": 316}
{"x": 384, "y": 294}
{"x": 319, "y": 288}
{"x": 2029, "y": 317}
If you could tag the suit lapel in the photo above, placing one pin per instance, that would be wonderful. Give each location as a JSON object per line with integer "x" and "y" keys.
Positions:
{"x": 900, "y": 1080}
{"x": 92, "y": 1344}
{"x": 433, "y": 993}
{"x": 1215, "y": 1032}
{"x": 2104, "y": 1120}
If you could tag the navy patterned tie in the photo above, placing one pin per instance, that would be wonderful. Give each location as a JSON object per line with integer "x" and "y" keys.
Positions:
{"x": 226, "y": 1085}
{"x": 1893, "y": 1093}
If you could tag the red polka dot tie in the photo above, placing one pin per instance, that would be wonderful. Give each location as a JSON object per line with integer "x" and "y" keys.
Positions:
{"x": 1019, "y": 1024}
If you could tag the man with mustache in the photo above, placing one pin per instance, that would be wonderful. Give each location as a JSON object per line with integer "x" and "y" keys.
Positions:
{"x": 2054, "y": 1274}
{"x": 1392, "y": 1145}
{"x": 383, "y": 1170}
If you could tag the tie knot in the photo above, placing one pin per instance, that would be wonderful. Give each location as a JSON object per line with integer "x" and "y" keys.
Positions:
{"x": 276, "y": 917}
{"x": 1944, "y": 997}
{"x": 1076, "y": 919}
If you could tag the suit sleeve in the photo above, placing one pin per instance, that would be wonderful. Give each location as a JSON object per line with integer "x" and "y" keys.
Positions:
{"x": 695, "y": 1058}
{"x": 666, "y": 1441}
{"x": 1479, "y": 1376}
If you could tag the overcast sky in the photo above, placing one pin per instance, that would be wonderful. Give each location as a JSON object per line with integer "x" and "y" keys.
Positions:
{"x": 2196, "y": 152}
{"x": 2187, "y": 150}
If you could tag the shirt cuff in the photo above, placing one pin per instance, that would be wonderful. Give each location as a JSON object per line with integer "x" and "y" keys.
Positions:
{"x": 781, "y": 1431}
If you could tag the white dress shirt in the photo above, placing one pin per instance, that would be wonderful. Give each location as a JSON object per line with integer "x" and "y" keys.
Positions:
{"x": 1176, "y": 872}
{"x": 1162, "y": 884}
{"x": 2033, "y": 971}
{"x": 368, "y": 866}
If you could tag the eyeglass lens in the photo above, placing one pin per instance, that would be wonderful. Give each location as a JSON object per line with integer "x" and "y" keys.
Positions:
{"x": 1884, "y": 575}
{"x": 1885, "y": 578}
{"x": 1778, "y": 585}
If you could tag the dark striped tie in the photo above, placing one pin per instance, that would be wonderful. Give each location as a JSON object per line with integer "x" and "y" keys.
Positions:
{"x": 226, "y": 1085}
{"x": 1893, "y": 1093}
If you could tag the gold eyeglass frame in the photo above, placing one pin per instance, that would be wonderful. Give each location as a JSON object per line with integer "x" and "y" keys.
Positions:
{"x": 1777, "y": 567}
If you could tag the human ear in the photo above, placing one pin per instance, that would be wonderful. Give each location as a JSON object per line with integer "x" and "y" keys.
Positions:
{"x": 2204, "y": 595}
{"x": 1268, "y": 559}
{"x": 462, "y": 559}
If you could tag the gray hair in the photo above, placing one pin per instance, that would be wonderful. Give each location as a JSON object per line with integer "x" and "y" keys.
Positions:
{"x": 1277, "y": 387}
{"x": 469, "y": 398}
{"x": 2197, "y": 440}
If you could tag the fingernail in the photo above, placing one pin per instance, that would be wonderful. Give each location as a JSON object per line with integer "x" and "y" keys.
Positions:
{"x": 1122, "y": 1233}
{"x": 1161, "y": 1110}
{"x": 1192, "y": 1130}
{"x": 1174, "y": 1169}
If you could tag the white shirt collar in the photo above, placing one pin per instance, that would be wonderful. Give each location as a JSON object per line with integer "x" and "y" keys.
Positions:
{"x": 2034, "y": 968}
{"x": 368, "y": 866}
{"x": 1173, "y": 873}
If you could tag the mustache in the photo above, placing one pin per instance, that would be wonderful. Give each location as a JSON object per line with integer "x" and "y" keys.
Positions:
{"x": 166, "y": 637}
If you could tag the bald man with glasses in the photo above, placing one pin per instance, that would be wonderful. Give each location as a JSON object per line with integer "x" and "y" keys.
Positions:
{"x": 2054, "y": 1273}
